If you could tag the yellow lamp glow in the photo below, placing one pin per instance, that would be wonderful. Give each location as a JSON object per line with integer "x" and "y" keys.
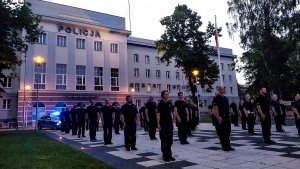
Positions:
{"x": 38, "y": 59}
{"x": 27, "y": 87}
{"x": 196, "y": 72}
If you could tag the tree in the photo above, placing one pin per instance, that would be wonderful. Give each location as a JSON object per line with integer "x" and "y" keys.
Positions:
{"x": 268, "y": 35}
{"x": 14, "y": 19}
{"x": 183, "y": 41}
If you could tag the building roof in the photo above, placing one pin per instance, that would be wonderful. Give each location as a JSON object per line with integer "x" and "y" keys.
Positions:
{"x": 68, "y": 13}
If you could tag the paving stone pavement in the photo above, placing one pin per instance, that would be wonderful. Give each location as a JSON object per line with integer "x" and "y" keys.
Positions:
{"x": 203, "y": 152}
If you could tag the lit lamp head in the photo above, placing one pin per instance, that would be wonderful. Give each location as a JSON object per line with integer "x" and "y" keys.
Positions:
{"x": 27, "y": 87}
{"x": 195, "y": 72}
{"x": 132, "y": 90}
{"x": 39, "y": 60}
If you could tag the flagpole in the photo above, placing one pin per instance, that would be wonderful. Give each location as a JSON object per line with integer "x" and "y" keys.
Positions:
{"x": 129, "y": 15}
{"x": 218, "y": 49}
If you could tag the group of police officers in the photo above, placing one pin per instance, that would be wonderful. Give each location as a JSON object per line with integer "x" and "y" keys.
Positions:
{"x": 184, "y": 113}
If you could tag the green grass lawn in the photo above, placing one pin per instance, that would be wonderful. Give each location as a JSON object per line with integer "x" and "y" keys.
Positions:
{"x": 205, "y": 119}
{"x": 28, "y": 150}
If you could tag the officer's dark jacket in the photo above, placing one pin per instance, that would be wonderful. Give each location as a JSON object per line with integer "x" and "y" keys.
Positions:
{"x": 264, "y": 103}
{"x": 296, "y": 104}
{"x": 165, "y": 109}
{"x": 223, "y": 105}
{"x": 151, "y": 106}
{"x": 129, "y": 113}
{"x": 107, "y": 114}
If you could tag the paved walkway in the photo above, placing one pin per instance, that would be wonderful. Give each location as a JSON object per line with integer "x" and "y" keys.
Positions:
{"x": 203, "y": 152}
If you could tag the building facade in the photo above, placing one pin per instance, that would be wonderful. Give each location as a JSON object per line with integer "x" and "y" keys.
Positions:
{"x": 90, "y": 55}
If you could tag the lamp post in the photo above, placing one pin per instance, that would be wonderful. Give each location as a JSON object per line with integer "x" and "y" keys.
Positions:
{"x": 132, "y": 91}
{"x": 27, "y": 87}
{"x": 196, "y": 73}
{"x": 38, "y": 60}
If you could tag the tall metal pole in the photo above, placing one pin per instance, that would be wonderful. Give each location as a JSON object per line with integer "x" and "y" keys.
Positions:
{"x": 218, "y": 48}
{"x": 37, "y": 98}
{"x": 24, "y": 86}
{"x": 129, "y": 15}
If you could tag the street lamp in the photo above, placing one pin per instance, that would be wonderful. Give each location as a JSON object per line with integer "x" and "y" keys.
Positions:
{"x": 132, "y": 91}
{"x": 38, "y": 60}
{"x": 196, "y": 73}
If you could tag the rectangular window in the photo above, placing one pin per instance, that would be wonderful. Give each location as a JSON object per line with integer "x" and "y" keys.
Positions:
{"x": 114, "y": 48}
{"x": 229, "y": 67}
{"x": 97, "y": 45}
{"x": 80, "y": 43}
{"x": 168, "y": 74}
{"x": 229, "y": 77}
{"x": 178, "y": 88}
{"x": 61, "y": 76}
{"x": 138, "y": 102}
{"x": 137, "y": 87}
{"x": 61, "y": 41}
{"x": 80, "y": 77}
{"x": 205, "y": 102}
{"x": 223, "y": 78}
{"x": 147, "y": 73}
{"x": 6, "y": 104}
{"x": 98, "y": 78}
{"x": 231, "y": 90}
{"x": 158, "y": 87}
{"x": 148, "y": 87}
{"x": 177, "y": 75}
{"x": 136, "y": 58}
{"x": 136, "y": 72}
{"x": 6, "y": 82}
{"x": 147, "y": 59}
{"x": 157, "y": 59}
{"x": 114, "y": 79}
{"x": 40, "y": 76}
{"x": 169, "y": 88}
{"x": 222, "y": 66}
{"x": 158, "y": 74}
{"x": 41, "y": 38}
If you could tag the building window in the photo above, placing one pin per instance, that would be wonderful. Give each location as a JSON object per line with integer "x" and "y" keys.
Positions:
{"x": 205, "y": 103}
{"x": 222, "y": 66}
{"x": 231, "y": 90}
{"x": 61, "y": 76}
{"x": 229, "y": 77}
{"x": 177, "y": 75}
{"x": 147, "y": 59}
{"x": 158, "y": 74}
{"x": 41, "y": 38}
{"x": 158, "y": 87}
{"x": 217, "y": 87}
{"x": 114, "y": 79}
{"x": 229, "y": 67}
{"x": 168, "y": 74}
{"x": 225, "y": 90}
{"x": 137, "y": 87}
{"x": 98, "y": 78}
{"x": 114, "y": 48}
{"x": 6, "y": 104}
{"x": 148, "y": 87}
{"x": 148, "y": 73}
{"x": 136, "y": 72}
{"x": 97, "y": 45}
{"x": 223, "y": 78}
{"x": 136, "y": 58}
{"x": 80, "y": 77}
{"x": 138, "y": 102}
{"x": 157, "y": 59}
{"x": 61, "y": 41}
{"x": 6, "y": 82}
{"x": 178, "y": 88}
{"x": 80, "y": 43}
{"x": 40, "y": 76}
{"x": 169, "y": 88}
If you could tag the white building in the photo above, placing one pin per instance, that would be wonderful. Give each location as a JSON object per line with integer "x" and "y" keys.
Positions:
{"x": 88, "y": 55}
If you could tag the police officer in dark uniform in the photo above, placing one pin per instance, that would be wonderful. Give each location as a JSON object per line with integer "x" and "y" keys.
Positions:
{"x": 67, "y": 119}
{"x": 234, "y": 115}
{"x": 263, "y": 109}
{"x": 249, "y": 110}
{"x": 81, "y": 117}
{"x": 283, "y": 109}
{"x": 180, "y": 108}
{"x": 277, "y": 113}
{"x": 117, "y": 110}
{"x": 189, "y": 123}
{"x": 243, "y": 115}
{"x": 222, "y": 114}
{"x": 74, "y": 120}
{"x": 92, "y": 112}
{"x": 108, "y": 118}
{"x": 150, "y": 115}
{"x": 129, "y": 116}
{"x": 62, "y": 120}
{"x": 165, "y": 125}
{"x": 144, "y": 122}
{"x": 296, "y": 109}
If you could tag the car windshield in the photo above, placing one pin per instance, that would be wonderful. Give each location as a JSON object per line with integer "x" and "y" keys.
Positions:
{"x": 53, "y": 117}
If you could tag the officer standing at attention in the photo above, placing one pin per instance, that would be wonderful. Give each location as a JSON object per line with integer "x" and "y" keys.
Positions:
{"x": 67, "y": 119}
{"x": 92, "y": 112}
{"x": 296, "y": 109}
{"x": 81, "y": 117}
{"x": 74, "y": 120}
{"x": 150, "y": 113}
{"x": 108, "y": 118}
{"x": 164, "y": 119}
{"x": 263, "y": 109}
{"x": 129, "y": 117}
{"x": 249, "y": 110}
{"x": 62, "y": 120}
{"x": 243, "y": 115}
{"x": 180, "y": 108}
{"x": 277, "y": 113}
{"x": 117, "y": 109}
{"x": 222, "y": 114}
{"x": 235, "y": 115}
